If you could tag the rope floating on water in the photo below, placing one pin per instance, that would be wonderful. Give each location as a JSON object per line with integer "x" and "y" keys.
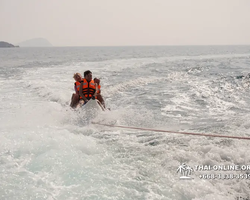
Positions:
{"x": 175, "y": 132}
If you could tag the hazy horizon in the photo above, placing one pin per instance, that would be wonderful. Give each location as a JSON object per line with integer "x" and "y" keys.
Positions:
{"x": 136, "y": 45}
{"x": 126, "y": 23}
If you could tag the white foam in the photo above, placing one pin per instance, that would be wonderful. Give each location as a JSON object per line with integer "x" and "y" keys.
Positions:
{"x": 48, "y": 151}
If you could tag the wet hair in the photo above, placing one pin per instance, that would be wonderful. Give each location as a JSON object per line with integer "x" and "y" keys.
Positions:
{"x": 77, "y": 74}
{"x": 87, "y": 72}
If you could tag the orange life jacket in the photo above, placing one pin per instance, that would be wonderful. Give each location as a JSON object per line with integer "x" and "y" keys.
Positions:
{"x": 77, "y": 84}
{"x": 88, "y": 88}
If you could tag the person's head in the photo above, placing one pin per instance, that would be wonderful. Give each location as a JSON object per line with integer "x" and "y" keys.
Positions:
{"x": 77, "y": 77}
{"x": 88, "y": 75}
{"x": 96, "y": 80}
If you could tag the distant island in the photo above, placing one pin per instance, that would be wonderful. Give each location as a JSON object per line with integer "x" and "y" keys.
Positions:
{"x": 6, "y": 45}
{"x": 36, "y": 42}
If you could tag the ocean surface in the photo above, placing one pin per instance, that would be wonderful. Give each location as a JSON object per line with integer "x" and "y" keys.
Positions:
{"x": 49, "y": 151}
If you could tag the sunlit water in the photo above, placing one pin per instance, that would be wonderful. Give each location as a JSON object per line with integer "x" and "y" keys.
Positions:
{"x": 49, "y": 151}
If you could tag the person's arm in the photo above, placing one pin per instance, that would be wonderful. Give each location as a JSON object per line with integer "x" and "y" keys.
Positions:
{"x": 97, "y": 81}
{"x": 76, "y": 89}
{"x": 81, "y": 93}
{"x": 99, "y": 87}
{"x": 96, "y": 89}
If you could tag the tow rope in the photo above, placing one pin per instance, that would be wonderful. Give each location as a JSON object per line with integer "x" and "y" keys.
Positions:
{"x": 175, "y": 132}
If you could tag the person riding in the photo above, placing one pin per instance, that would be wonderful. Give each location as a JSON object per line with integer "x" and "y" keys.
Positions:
{"x": 90, "y": 89}
{"x": 98, "y": 95}
{"x": 76, "y": 96}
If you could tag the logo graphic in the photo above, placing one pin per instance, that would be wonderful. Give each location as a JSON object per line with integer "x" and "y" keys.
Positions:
{"x": 185, "y": 171}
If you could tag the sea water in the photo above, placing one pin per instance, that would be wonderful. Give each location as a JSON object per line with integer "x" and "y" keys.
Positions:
{"x": 49, "y": 151}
